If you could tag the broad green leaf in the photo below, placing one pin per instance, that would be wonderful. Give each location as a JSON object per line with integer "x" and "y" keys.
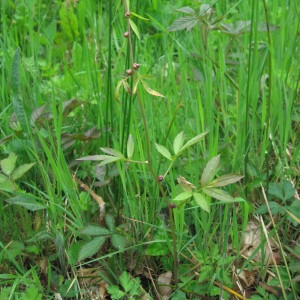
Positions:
{"x": 150, "y": 91}
{"x": 8, "y": 164}
{"x": 34, "y": 249}
{"x": 225, "y": 180}
{"x": 115, "y": 292}
{"x": 73, "y": 251}
{"x": 288, "y": 190}
{"x": 105, "y": 159}
{"x": 50, "y": 32}
{"x": 163, "y": 151}
{"x": 112, "y": 152}
{"x": 218, "y": 194}
{"x": 187, "y": 23}
{"x": 5, "y": 292}
{"x": 68, "y": 290}
{"x": 210, "y": 170}
{"x": 118, "y": 241}
{"x": 193, "y": 141}
{"x": 109, "y": 160}
{"x": 186, "y": 10}
{"x": 275, "y": 190}
{"x": 90, "y": 248}
{"x": 21, "y": 170}
{"x": 14, "y": 249}
{"x": 130, "y": 146}
{"x": 26, "y": 201}
{"x": 274, "y": 207}
{"x": 68, "y": 22}
{"x": 138, "y": 16}
{"x": 95, "y": 157}
{"x": 205, "y": 9}
{"x": 7, "y": 184}
{"x": 183, "y": 196}
{"x": 206, "y": 270}
{"x": 283, "y": 190}
{"x": 178, "y": 142}
{"x": 201, "y": 201}
{"x": 157, "y": 249}
{"x": 31, "y": 293}
{"x": 126, "y": 282}
{"x": 3, "y": 178}
{"x": 234, "y": 200}
{"x": 94, "y": 230}
{"x": 134, "y": 28}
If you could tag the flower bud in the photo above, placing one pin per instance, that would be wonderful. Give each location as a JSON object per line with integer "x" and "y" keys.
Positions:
{"x": 129, "y": 72}
{"x": 136, "y": 66}
{"x": 160, "y": 178}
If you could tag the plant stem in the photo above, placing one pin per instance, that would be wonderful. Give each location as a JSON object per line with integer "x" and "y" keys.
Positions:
{"x": 148, "y": 150}
{"x": 268, "y": 117}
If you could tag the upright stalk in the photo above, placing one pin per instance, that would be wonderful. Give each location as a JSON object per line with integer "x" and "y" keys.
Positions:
{"x": 148, "y": 150}
{"x": 268, "y": 116}
{"x": 109, "y": 107}
{"x": 247, "y": 109}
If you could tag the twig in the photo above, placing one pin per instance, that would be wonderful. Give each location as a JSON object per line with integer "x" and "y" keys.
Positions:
{"x": 96, "y": 197}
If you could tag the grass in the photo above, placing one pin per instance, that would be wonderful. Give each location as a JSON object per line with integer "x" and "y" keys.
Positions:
{"x": 70, "y": 224}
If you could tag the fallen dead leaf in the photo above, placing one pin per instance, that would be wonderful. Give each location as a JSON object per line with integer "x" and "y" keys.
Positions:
{"x": 252, "y": 240}
{"x": 164, "y": 284}
{"x": 247, "y": 277}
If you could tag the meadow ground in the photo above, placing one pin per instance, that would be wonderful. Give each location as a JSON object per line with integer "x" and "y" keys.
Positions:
{"x": 149, "y": 149}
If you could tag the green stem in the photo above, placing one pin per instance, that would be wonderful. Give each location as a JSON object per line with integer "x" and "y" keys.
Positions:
{"x": 148, "y": 149}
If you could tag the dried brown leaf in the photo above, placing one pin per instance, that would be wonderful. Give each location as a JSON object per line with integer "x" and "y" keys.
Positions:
{"x": 164, "y": 284}
{"x": 185, "y": 185}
